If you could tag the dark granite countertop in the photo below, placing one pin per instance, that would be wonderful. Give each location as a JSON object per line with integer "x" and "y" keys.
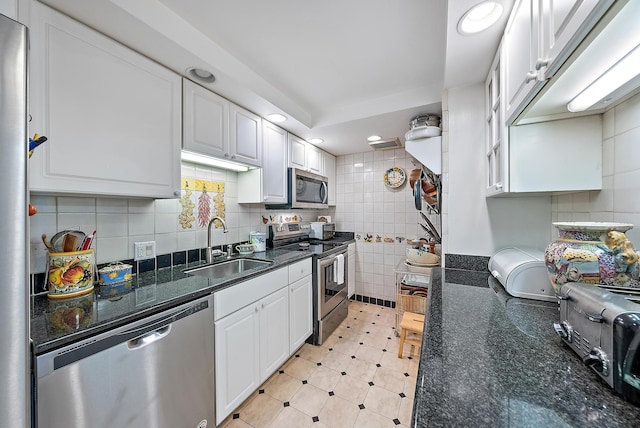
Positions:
{"x": 490, "y": 359}
{"x": 59, "y": 322}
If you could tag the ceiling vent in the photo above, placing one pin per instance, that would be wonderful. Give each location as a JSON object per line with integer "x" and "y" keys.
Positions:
{"x": 389, "y": 143}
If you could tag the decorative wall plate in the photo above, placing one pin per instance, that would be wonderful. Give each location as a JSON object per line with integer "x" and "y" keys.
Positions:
{"x": 394, "y": 177}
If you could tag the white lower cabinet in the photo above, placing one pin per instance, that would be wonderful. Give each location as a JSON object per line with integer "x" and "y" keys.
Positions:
{"x": 274, "y": 332}
{"x": 300, "y": 312}
{"x": 237, "y": 346}
{"x": 259, "y": 323}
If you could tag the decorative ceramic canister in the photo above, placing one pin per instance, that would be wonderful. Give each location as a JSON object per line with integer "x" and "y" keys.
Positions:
{"x": 592, "y": 253}
{"x": 70, "y": 274}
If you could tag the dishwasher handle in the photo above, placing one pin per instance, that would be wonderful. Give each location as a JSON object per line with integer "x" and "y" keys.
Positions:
{"x": 149, "y": 338}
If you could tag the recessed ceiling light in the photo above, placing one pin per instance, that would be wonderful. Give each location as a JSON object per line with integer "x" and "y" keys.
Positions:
{"x": 201, "y": 75}
{"x": 374, "y": 138}
{"x": 316, "y": 141}
{"x": 276, "y": 117}
{"x": 480, "y": 17}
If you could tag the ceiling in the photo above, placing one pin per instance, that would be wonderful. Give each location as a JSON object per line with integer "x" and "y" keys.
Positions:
{"x": 339, "y": 70}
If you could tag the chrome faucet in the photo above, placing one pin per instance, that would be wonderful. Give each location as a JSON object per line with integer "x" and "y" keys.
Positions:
{"x": 224, "y": 227}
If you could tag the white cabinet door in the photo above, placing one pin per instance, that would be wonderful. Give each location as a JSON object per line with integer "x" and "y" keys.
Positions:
{"x": 237, "y": 364}
{"x": 300, "y": 312}
{"x": 564, "y": 25}
{"x": 206, "y": 121}
{"x": 112, "y": 116}
{"x": 274, "y": 185}
{"x": 245, "y": 136}
{"x": 520, "y": 44}
{"x": 497, "y": 135}
{"x": 329, "y": 171}
{"x": 297, "y": 152}
{"x": 351, "y": 272}
{"x": 274, "y": 332}
{"x": 314, "y": 159}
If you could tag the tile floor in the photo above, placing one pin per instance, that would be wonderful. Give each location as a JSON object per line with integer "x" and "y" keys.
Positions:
{"x": 354, "y": 380}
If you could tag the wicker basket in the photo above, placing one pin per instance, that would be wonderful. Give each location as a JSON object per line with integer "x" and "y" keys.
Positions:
{"x": 411, "y": 303}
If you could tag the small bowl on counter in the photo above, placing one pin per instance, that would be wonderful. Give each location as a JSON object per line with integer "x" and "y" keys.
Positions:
{"x": 421, "y": 257}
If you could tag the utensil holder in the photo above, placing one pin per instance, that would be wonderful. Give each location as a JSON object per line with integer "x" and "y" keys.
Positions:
{"x": 70, "y": 274}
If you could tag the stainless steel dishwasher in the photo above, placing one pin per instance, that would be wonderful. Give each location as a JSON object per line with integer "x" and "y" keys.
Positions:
{"x": 156, "y": 372}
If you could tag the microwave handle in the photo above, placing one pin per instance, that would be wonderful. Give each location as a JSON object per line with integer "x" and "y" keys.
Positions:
{"x": 325, "y": 199}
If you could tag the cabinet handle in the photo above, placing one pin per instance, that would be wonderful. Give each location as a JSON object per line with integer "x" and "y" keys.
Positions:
{"x": 226, "y": 155}
{"x": 233, "y": 156}
{"x": 256, "y": 309}
{"x": 540, "y": 63}
{"x": 176, "y": 193}
{"x": 265, "y": 198}
{"x": 531, "y": 76}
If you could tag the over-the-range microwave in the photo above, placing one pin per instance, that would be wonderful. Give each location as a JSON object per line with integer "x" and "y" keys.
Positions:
{"x": 305, "y": 190}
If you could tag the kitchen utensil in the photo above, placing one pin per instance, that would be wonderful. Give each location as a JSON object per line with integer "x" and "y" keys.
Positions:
{"x": 437, "y": 237}
{"x": 417, "y": 194}
{"x": 423, "y": 132}
{"x": 414, "y": 175}
{"x": 47, "y": 243}
{"x": 429, "y": 231}
{"x": 60, "y": 241}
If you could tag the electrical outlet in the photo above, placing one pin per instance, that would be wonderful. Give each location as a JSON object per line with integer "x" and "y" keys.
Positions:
{"x": 144, "y": 250}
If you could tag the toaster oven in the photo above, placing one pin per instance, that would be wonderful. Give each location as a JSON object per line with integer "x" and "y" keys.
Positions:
{"x": 602, "y": 325}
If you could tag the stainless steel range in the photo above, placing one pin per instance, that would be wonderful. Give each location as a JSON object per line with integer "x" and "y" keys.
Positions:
{"x": 330, "y": 274}
{"x": 602, "y": 325}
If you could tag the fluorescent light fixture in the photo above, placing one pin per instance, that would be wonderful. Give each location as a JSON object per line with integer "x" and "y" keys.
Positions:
{"x": 620, "y": 73}
{"x": 316, "y": 141}
{"x": 276, "y": 117}
{"x": 374, "y": 138}
{"x": 480, "y": 17}
{"x": 210, "y": 161}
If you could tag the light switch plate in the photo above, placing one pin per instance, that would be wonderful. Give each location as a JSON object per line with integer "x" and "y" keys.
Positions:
{"x": 144, "y": 250}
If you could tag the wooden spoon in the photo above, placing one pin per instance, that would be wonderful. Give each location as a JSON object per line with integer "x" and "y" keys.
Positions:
{"x": 47, "y": 243}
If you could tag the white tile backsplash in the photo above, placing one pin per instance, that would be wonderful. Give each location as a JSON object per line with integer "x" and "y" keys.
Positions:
{"x": 618, "y": 200}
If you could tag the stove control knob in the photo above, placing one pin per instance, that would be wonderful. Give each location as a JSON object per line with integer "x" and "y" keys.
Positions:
{"x": 564, "y": 330}
{"x": 597, "y": 359}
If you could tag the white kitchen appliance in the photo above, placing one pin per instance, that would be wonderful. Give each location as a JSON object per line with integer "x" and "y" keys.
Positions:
{"x": 522, "y": 273}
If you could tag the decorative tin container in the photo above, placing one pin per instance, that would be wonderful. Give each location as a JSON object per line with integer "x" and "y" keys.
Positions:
{"x": 70, "y": 274}
{"x": 114, "y": 273}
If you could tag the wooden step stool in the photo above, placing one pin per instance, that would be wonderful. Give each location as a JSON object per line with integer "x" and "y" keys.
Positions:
{"x": 410, "y": 322}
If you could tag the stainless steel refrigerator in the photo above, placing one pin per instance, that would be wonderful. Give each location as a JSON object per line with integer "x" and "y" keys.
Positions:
{"x": 15, "y": 390}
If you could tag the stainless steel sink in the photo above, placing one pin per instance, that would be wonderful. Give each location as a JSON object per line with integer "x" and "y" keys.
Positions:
{"x": 228, "y": 268}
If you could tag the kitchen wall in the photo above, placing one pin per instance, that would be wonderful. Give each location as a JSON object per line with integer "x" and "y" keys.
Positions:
{"x": 619, "y": 200}
{"x": 120, "y": 222}
{"x": 473, "y": 224}
{"x": 382, "y": 218}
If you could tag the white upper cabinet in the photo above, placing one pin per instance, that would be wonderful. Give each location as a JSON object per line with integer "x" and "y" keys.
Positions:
{"x": 563, "y": 25}
{"x": 274, "y": 186}
{"x": 112, "y": 117}
{"x": 206, "y": 121}
{"x": 213, "y": 126}
{"x": 497, "y": 144}
{"x": 520, "y": 44}
{"x": 314, "y": 159}
{"x": 297, "y": 152}
{"x": 539, "y": 36}
{"x": 245, "y": 136}
{"x": 269, "y": 183}
{"x": 303, "y": 155}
